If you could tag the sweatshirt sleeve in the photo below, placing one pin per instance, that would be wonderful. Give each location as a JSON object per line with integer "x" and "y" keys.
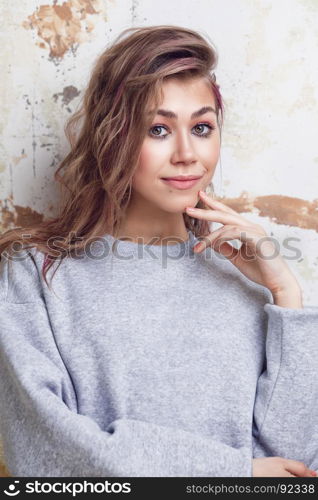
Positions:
{"x": 286, "y": 405}
{"x": 44, "y": 435}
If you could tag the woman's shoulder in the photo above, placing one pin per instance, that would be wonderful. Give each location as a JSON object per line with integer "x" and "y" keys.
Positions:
{"x": 19, "y": 276}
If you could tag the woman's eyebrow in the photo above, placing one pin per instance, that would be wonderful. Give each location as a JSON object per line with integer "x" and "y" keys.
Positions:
{"x": 199, "y": 112}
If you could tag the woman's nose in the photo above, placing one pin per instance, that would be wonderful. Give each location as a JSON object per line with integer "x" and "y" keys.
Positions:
{"x": 184, "y": 151}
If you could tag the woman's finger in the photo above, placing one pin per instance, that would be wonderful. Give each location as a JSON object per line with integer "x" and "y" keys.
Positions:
{"x": 216, "y": 203}
{"x": 227, "y": 250}
{"x": 207, "y": 239}
{"x": 297, "y": 467}
{"x": 221, "y": 207}
{"x": 217, "y": 216}
{"x": 227, "y": 233}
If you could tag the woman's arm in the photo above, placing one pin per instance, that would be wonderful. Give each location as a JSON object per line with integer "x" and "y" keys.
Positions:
{"x": 286, "y": 404}
{"x": 290, "y": 298}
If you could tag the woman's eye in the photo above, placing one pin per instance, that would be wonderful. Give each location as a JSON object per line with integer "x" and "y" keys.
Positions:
{"x": 207, "y": 133}
{"x": 155, "y": 133}
{"x": 155, "y": 130}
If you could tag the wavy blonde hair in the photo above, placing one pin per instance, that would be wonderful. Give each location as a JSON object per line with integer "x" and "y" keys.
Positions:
{"x": 106, "y": 134}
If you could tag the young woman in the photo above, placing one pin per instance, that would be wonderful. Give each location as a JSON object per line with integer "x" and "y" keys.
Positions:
{"x": 147, "y": 355}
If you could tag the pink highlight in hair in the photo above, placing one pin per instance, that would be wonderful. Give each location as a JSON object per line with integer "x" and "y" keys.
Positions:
{"x": 218, "y": 96}
{"x": 46, "y": 262}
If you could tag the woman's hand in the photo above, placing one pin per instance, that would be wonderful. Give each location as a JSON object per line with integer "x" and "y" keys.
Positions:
{"x": 258, "y": 257}
{"x": 280, "y": 467}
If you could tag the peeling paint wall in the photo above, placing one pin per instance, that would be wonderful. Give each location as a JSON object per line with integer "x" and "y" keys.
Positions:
{"x": 268, "y": 76}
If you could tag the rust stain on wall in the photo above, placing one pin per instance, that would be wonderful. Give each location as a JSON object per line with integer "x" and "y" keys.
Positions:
{"x": 288, "y": 210}
{"x": 4, "y": 471}
{"x": 60, "y": 27}
{"x": 17, "y": 216}
{"x": 280, "y": 209}
{"x": 7, "y": 217}
{"x": 25, "y": 216}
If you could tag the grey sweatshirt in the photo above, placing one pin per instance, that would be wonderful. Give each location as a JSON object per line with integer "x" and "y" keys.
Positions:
{"x": 151, "y": 361}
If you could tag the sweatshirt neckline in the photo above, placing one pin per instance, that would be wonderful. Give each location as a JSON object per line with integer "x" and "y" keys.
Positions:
{"x": 125, "y": 247}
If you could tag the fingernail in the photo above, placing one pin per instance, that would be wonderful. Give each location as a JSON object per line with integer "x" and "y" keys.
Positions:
{"x": 198, "y": 246}
{"x": 191, "y": 209}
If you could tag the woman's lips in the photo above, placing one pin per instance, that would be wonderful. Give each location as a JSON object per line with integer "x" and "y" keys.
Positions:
{"x": 181, "y": 184}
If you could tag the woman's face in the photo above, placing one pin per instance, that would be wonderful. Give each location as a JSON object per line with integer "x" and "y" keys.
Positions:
{"x": 184, "y": 144}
